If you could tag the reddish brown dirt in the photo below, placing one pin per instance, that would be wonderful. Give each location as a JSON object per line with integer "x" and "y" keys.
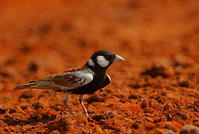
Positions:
{"x": 155, "y": 90}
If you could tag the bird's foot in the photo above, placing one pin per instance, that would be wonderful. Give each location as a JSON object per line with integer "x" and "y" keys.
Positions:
{"x": 90, "y": 119}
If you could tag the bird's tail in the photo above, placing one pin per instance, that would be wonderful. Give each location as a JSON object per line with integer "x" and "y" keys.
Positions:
{"x": 40, "y": 84}
{"x": 29, "y": 85}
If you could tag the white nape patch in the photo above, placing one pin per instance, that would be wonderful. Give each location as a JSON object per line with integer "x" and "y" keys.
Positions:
{"x": 90, "y": 62}
{"x": 102, "y": 61}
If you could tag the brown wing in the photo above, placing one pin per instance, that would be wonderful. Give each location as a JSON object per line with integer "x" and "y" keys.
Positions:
{"x": 71, "y": 79}
{"x": 76, "y": 69}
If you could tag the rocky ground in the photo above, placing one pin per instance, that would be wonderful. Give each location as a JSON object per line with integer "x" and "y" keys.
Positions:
{"x": 156, "y": 90}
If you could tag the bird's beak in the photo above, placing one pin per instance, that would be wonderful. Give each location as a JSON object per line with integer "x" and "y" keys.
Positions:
{"x": 118, "y": 58}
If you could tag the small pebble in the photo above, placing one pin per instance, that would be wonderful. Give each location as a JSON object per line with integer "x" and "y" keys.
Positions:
{"x": 55, "y": 132}
{"x": 158, "y": 131}
{"x": 98, "y": 130}
{"x": 150, "y": 125}
{"x": 189, "y": 129}
{"x": 196, "y": 123}
{"x": 170, "y": 132}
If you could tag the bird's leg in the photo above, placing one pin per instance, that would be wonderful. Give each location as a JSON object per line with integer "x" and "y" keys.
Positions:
{"x": 82, "y": 104}
{"x": 66, "y": 103}
{"x": 84, "y": 108}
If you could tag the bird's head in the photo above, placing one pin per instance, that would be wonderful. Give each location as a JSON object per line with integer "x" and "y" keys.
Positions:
{"x": 102, "y": 59}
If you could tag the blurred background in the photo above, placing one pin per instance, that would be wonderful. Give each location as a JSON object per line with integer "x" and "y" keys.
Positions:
{"x": 59, "y": 34}
{"x": 157, "y": 38}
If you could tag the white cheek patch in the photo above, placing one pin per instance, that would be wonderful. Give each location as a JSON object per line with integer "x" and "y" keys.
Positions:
{"x": 102, "y": 61}
{"x": 90, "y": 62}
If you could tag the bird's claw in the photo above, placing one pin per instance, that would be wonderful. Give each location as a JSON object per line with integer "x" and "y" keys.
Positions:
{"x": 90, "y": 119}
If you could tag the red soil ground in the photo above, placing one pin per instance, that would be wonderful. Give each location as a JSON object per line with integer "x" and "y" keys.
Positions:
{"x": 155, "y": 90}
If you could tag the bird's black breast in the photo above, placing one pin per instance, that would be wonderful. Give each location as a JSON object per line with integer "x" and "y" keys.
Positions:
{"x": 100, "y": 80}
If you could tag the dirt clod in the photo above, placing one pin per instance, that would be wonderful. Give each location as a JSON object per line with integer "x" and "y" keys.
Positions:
{"x": 61, "y": 126}
{"x": 189, "y": 129}
{"x": 98, "y": 130}
{"x": 95, "y": 98}
{"x": 135, "y": 125}
{"x": 4, "y": 74}
{"x": 33, "y": 67}
{"x": 12, "y": 111}
{"x": 25, "y": 95}
{"x": 37, "y": 105}
{"x": 98, "y": 117}
{"x": 156, "y": 71}
{"x": 2, "y": 111}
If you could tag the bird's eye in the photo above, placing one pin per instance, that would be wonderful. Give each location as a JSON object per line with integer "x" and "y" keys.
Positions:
{"x": 110, "y": 57}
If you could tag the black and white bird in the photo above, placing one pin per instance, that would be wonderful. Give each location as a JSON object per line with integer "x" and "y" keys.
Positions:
{"x": 83, "y": 80}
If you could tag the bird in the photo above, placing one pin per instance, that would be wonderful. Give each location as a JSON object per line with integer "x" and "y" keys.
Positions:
{"x": 83, "y": 80}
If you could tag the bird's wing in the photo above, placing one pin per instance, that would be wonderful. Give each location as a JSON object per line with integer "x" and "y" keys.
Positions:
{"x": 71, "y": 79}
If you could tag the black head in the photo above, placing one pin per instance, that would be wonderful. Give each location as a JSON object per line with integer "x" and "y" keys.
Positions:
{"x": 102, "y": 59}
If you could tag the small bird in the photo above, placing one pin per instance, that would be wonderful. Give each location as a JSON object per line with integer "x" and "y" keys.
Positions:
{"x": 83, "y": 80}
